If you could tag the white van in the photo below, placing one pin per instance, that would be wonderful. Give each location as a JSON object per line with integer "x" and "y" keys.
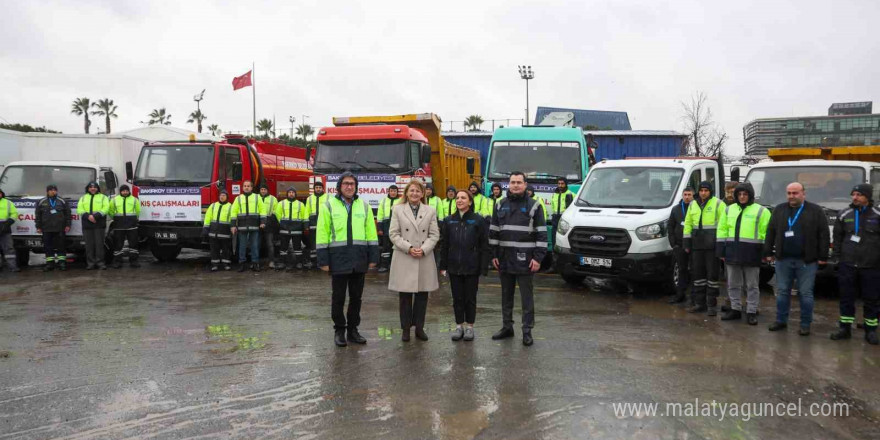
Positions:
{"x": 617, "y": 226}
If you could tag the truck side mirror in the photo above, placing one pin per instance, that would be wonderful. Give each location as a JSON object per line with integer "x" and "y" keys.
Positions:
{"x": 470, "y": 164}
{"x": 110, "y": 180}
{"x": 129, "y": 172}
{"x": 734, "y": 174}
{"x": 236, "y": 171}
{"x": 426, "y": 153}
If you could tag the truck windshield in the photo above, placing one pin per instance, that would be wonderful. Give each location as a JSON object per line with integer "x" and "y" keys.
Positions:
{"x": 366, "y": 155}
{"x": 630, "y": 187}
{"x": 828, "y": 186}
{"x": 31, "y": 180}
{"x": 175, "y": 164}
{"x": 536, "y": 159}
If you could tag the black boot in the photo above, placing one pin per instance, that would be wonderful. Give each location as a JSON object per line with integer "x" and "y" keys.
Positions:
{"x": 504, "y": 333}
{"x": 255, "y": 267}
{"x": 871, "y": 335}
{"x": 752, "y": 318}
{"x": 730, "y": 315}
{"x": 712, "y": 309}
{"x": 340, "y": 338}
{"x": 356, "y": 337}
{"x": 679, "y": 297}
{"x": 405, "y": 335}
{"x": 420, "y": 333}
{"x": 214, "y": 268}
{"x": 699, "y": 305}
{"x": 242, "y": 267}
{"x": 527, "y": 339}
{"x": 845, "y": 332}
{"x": 117, "y": 263}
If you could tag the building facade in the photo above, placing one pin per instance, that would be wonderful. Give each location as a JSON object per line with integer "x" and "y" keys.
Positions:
{"x": 847, "y": 124}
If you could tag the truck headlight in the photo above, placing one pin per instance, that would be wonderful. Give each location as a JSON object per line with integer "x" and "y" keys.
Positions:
{"x": 563, "y": 227}
{"x": 651, "y": 232}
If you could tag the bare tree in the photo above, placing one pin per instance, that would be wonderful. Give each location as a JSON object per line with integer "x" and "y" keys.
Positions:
{"x": 705, "y": 137}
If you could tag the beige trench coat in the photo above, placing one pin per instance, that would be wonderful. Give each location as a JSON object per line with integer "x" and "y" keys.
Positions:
{"x": 410, "y": 274}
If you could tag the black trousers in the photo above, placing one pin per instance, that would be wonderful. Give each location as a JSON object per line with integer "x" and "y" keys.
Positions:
{"x": 291, "y": 245}
{"x": 413, "y": 308}
{"x": 309, "y": 240}
{"x": 94, "y": 239}
{"x": 683, "y": 259}
{"x": 508, "y": 289}
{"x": 704, "y": 271}
{"x": 464, "y": 297}
{"x": 268, "y": 242}
{"x": 221, "y": 251}
{"x": 385, "y": 245}
{"x": 354, "y": 284}
{"x": 852, "y": 281}
{"x": 119, "y": 250}
{"x": 53, "y": 246}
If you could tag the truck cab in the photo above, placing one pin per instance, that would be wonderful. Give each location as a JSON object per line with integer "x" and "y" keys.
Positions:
{"x": 177, "y": 181}
{"x": 25, "y": 185}
{"x": 617, "y": 226}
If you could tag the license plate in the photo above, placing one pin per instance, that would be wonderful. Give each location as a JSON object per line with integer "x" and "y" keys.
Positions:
{"x": 34, "y": 243}
{"x": 166, "y": 235}
{"x": 599, "y": 262}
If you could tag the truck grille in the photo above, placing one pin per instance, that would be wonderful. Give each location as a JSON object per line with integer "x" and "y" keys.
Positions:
{"x": 586, "y": 241}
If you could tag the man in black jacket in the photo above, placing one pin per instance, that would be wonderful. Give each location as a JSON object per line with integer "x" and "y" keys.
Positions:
{"x": 797, "y": 239}
{"x": 52, "y": 219}
{"x": 682, "y": 260}
{"x": 857, "y": 247}
{"x": 518, "y": 236}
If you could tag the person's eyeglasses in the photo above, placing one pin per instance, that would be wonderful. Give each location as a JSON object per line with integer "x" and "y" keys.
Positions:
{"x": 347, "y": 183}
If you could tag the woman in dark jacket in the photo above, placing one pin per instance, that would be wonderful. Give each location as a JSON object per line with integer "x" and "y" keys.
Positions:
{"x": 464, "y": 255}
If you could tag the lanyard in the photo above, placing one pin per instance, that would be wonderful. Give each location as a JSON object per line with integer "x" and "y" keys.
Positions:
{"x": 683, "y": 213}
{"x": 792, "y": 221}
{"x": 857, "y": 219}
{"x": 52, "y": 203}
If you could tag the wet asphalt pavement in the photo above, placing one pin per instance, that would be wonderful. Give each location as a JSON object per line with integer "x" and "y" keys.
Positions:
{"x": 172, "y": 351}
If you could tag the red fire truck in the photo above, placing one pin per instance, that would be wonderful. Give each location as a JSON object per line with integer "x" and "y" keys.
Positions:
{"x": 177, "y": 181}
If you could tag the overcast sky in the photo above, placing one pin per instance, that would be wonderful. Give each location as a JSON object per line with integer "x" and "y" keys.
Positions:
{"x": 332, "y": 58}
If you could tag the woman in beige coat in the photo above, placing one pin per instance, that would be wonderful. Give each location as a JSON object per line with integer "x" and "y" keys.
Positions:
{"x": 414, "y": 233}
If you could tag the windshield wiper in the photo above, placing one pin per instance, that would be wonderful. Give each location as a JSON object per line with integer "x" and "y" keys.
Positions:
{"x": 383, "y": 164}
{"x": 363, "y": 167}
{"x": 330, "y": 163}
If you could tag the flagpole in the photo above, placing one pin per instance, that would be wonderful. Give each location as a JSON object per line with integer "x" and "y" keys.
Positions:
{"x": 254, "y": 92}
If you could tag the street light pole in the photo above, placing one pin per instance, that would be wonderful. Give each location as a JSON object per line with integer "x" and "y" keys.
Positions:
{"x": 526, "y": 73}
{"x": 292, "y": 120}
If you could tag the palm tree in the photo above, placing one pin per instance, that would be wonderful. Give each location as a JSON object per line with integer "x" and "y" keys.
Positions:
{"x": 158, "y": 116}
{"x": 197, "y": 117}
{"x": 105, "y": 108}
{"x": 265, "y": 125}
{"x": 80, "y": 107}
{"x": 214, "y": 129}
{"x": 304, "y": 131}
{"x": 473, "y": 121}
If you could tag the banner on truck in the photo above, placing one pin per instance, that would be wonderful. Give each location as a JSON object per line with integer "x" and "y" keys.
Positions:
{"x": 374, "y": 187}
{"x": 25, "y": 224}
{"x": 176, "y": 204}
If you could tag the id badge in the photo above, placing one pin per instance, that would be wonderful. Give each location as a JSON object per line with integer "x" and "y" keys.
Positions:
{"x": 789, "y": 233}
{"x": 53, "y": 211}
{"x": 856, "y": 238}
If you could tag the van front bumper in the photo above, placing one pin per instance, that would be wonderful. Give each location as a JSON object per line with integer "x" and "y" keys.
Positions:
{"x": 657, "y": 266}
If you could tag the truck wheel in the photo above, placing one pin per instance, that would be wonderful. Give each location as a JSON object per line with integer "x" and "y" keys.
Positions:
{"x": 22, "y": 257}
{"x": 574, "y": 279}
{"x": 765, "y": 275}
{"x": 165, "y": 253}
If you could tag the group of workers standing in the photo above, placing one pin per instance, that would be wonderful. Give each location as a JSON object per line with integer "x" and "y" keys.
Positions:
{"x": 705, "y": 232}
{"x": 417, "y": 234}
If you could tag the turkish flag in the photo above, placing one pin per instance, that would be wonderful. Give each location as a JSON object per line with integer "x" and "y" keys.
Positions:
{"x": 241, "y": 82}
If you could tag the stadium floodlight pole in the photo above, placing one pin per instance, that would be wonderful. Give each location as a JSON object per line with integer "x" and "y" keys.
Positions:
{"x": 292, "y": 120}
{"x": 526, "y": 73}
{"x": 198, "y": 98}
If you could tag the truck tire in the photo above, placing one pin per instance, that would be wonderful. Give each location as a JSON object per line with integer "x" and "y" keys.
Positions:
{"x": 765, "y": 275}
{"x": 22, "y": 257}
{"x": 572, "y": 279}
{"x": 165, "y": 253}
